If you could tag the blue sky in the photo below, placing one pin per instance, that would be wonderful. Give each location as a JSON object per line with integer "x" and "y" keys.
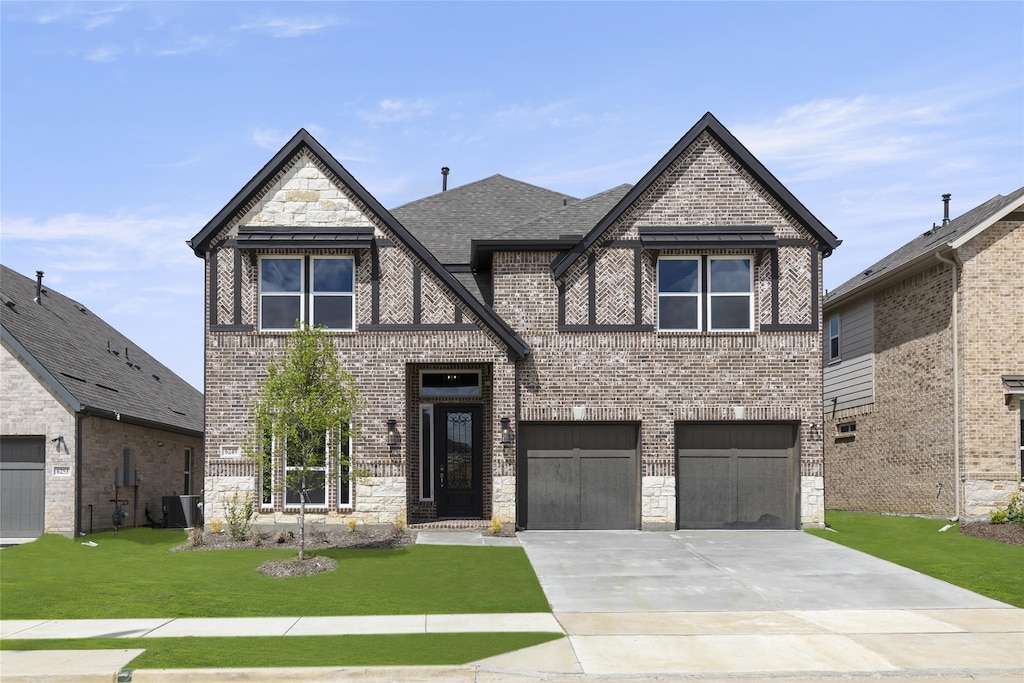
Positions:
{"x": 124, "y": 127}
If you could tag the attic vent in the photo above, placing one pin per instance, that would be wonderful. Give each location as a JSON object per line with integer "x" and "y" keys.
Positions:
{"x": 79, "y": 379}
{"x": 8, "y": 303}
{"x": 104, "y": 386}
{"x": 176, "y": 412}
{"x": 81, "y": 309}
{"x": 156, "y": 378}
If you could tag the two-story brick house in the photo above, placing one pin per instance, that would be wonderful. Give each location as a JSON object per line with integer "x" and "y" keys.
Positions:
{"x": 924, "y": 371}
{"x": 648, "y": 357}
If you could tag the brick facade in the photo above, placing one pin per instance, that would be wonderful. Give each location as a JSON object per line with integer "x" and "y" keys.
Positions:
{"x": 616, "y": 368}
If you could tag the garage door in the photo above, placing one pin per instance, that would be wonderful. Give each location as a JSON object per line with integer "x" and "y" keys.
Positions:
{"x": 737, "y": 476}
{"x": 21, "y": 486}
{"x": 579, "y": 476}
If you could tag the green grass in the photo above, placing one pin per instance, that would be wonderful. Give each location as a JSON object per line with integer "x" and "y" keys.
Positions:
{"x": 136, "y": 576}
{"x": 993, "y": 569}
{"x": 422, "y": 649}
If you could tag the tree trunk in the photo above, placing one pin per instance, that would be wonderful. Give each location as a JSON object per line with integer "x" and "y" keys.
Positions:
{"x": 302, "y": 518}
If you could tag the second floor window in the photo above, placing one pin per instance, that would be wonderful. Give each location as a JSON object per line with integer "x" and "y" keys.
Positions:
{"x": 320, "y": 290}
{"x": 833, "y": 338}
{"x": 713, "y": 293}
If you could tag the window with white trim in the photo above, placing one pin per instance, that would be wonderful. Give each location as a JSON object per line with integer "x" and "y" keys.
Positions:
{"x": 189, "y": 465}
{"x": 705, "y": 293}
{"x": 319, "y": 289}
{"x": 280, "y": 473}
{"x": 833, "y": 337}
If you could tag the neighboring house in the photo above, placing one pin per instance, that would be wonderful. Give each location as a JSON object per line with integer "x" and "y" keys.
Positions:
{"x": 648, "y": 357}
{"x": 82, "y": 410}
{"x": 924, "y": 371}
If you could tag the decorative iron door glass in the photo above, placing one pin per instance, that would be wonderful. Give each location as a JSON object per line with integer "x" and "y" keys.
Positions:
{"x": 459, "y": 465}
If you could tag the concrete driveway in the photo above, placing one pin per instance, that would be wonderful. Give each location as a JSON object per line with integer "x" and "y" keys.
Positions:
{"x": 721, "y": 571}
{"x": 779, "y": 605}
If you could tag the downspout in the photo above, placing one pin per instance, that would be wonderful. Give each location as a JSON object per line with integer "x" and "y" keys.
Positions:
{"x": 957, "y": 484}
{"x": 78, "y": 475}
{"x": 519, "y": 481}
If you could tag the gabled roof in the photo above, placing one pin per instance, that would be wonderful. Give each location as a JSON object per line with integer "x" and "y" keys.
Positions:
{"x": 447, "y": 222}
{"x": 90, "y": 365}
{"x": 952, "y": 235}
{"x": 711, "y": 125}
{"x": 304, "y": 141}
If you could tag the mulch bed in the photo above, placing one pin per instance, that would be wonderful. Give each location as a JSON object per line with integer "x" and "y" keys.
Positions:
{"x": 316, "y": 539}
{"x": 1008, "y": 532}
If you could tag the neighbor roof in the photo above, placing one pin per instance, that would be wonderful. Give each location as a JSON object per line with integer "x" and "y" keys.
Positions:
{"x": 951, "y": 236}
{"x": 89, "y": 364}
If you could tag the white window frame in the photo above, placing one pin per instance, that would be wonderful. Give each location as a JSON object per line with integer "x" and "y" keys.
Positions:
{"x": 427, "y": 450}
{"x": 698, "y": 295}
{"x": 711, "y": 294}
{"x": 704, "y": 294}
{"x": 837, "y": 337}
{"x": 301, "y": 293}
{"x": 314, "y": 295}
{"x": 344, "y": 478}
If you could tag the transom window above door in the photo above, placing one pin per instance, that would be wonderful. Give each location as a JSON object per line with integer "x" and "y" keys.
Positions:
{"x": 705, "y": 293}
{"x": 316, "y": 289}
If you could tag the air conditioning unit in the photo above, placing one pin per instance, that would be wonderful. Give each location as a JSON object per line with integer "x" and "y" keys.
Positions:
{"x": 181, "y": 512}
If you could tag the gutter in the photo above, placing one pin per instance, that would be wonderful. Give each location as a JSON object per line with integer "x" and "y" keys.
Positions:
{"x": 957, "y": 483}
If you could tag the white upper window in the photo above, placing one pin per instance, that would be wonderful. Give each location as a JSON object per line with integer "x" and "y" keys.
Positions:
{"x": 317, "y": 289}
{"x": 713, "y": 293}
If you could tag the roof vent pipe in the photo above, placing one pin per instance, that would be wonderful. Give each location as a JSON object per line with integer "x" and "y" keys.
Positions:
{"x": 945, "y": 208}
{"x": 444, "y": 178}
{"x": 39, "y": 287}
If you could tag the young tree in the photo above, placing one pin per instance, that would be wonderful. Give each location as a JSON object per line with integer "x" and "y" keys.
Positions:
{"x": 304, "y": 406}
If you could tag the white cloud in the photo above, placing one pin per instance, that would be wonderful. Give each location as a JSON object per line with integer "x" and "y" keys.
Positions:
{"x": 269, "y": 139}
{"x": 393, "y": 111}
{"x": 88, "y": 16}
{"x": 290, "y": 27}
{"x": 187, "y": 46}
{"x": 833, "y": 136}
{"x": 104, "y": 53}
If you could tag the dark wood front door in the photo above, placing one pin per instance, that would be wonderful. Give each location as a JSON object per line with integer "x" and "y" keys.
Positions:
{"x": 459, "y": 448}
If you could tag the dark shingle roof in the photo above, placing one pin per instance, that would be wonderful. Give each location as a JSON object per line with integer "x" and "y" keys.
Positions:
{"x": 446, "y": 223}
{"x": 91, "y": 363}
{"x": 928, "y": 243}
{"x": 574, "y": 219}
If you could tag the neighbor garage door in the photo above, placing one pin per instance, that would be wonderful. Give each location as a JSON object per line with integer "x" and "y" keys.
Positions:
{"x": 579, "y": 476}
{"x": 739, "y": 476}
{"x": 21, "y": 486}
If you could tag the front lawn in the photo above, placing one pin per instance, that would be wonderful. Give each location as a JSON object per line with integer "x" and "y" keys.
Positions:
{"x": 135, "y": 575}
{"x": 986, "y": 567}
{"x": 419, "y": 649}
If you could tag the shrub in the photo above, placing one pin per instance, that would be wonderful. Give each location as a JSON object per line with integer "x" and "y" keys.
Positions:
{"x": 400, "y": 524}
{"x": 496, "y": 526}
{"x": 195, "y": 537}
{"x": 1015, "y": 508}
{"x": 239, "y": 511}
{"x": 216, "y": 526}
{"x": 352, "y": 524}
{"x": 997, "y": 516}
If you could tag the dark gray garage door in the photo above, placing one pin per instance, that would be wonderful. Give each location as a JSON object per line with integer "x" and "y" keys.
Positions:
{"x": 579, "y": 476}
{"x": 739, "y": 476}
{"x": 21, "y": 486}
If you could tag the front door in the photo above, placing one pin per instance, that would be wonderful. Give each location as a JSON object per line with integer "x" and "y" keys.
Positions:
{"x": 459, "y": 450}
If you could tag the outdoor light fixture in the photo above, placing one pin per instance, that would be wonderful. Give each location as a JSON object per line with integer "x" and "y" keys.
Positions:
{"x": 392, "y": 432}
{"x": 506, "y": 431}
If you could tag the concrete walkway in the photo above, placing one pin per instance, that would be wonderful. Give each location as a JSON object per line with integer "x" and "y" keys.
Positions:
{"x": 708, "y": 606}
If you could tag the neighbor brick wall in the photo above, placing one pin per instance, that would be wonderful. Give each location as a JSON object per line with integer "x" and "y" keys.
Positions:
{"x": 30, "y": 409}
{"x": 991, "y": 345}
{"x": 901, "y": 459}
